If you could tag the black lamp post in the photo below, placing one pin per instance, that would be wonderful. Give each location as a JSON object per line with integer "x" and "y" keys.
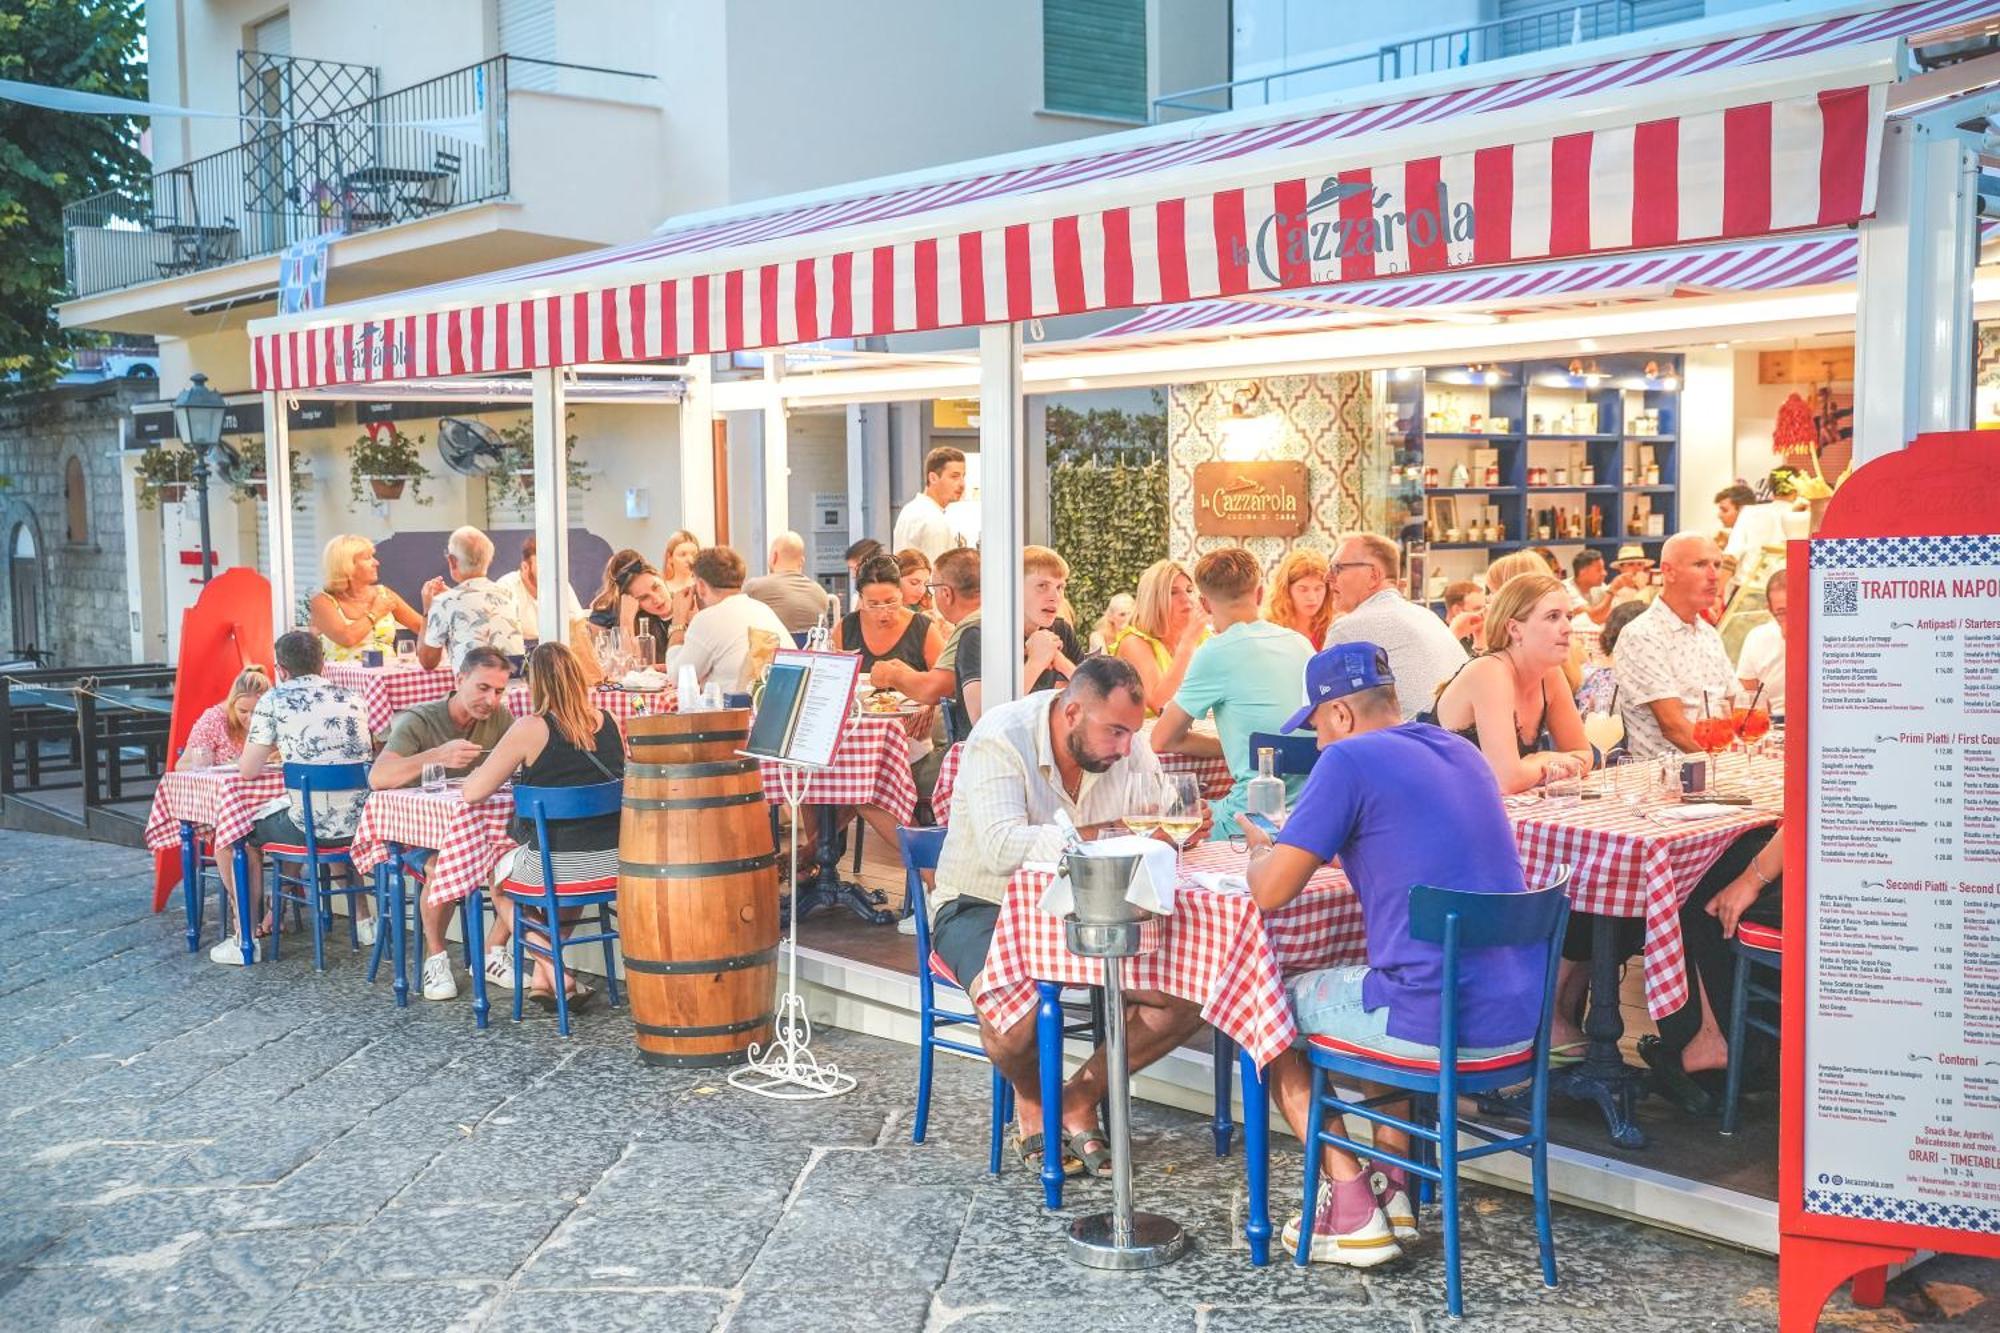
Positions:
{"x": 198, "y": 421}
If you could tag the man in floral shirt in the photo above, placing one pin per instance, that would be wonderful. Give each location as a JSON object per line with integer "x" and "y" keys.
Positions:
{"x": 475, "y": 613}
{"x": 305, "y": 719}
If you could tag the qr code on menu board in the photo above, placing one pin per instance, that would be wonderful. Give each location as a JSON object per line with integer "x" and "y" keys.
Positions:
{"x": 1841, "y": 597}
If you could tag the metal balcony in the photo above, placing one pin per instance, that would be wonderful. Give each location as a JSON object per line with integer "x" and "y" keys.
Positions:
{"x": 399, "y": 158}
{"x": 1448, "y": 48}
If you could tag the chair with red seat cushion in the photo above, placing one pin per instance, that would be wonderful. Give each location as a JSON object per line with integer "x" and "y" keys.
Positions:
{"x": 312, "y": 887}
{"x": 542, "y": 806}
{"x": 1755, "y": 946}
{"x": 1456, "y": 921}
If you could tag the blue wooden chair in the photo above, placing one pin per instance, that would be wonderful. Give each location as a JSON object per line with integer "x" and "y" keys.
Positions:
{"x": 1457, "y": 921}
{"x": 542, "y": 806}
{"x": 1755, "y": 947}
{"x": 310, "y": 886}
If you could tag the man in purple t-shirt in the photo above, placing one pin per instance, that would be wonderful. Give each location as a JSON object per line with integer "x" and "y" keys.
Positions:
{"x": 1399, "y": 804}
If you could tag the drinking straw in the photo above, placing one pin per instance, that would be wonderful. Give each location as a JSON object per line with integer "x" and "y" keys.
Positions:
{"x": 1751, "y": 709}
{"x": 1704, "y": 705}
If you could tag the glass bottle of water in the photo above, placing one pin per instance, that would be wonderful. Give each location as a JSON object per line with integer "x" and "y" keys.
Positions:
{"x": 1265, "y": 794}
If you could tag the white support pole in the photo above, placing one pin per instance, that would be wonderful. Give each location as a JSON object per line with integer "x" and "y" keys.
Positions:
{"x": 698, "y": 453}
{"x": 777, "y": 456}
{"x": 1913, "y": 324}
{"x": 278, "y": 512}
{"x": 1001, "y": 474}
{"x": 551, "y": 502}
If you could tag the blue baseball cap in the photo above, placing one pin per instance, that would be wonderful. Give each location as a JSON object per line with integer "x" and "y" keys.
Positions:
{"x": 1336, "y": 672}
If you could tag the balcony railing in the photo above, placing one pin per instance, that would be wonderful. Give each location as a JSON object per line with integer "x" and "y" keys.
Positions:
{"x": 402, "y": 157}
{"x": 1448, "y": 48}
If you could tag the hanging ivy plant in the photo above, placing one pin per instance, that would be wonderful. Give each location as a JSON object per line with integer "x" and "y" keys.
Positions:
{"x": 515, "y": 483}
{"x": 252, "y": 485}
{"x": 164, "y": 474}
{"x": 387, "y": 460}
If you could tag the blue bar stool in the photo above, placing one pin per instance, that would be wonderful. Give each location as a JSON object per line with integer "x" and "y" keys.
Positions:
{"x": 1755, "y": 947}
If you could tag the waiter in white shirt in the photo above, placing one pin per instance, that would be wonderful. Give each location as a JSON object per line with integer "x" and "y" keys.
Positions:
{"x": 716, "y": 638}
{"x": 922, "y": 525}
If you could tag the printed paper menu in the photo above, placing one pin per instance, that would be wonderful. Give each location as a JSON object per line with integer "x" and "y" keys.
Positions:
{"x": 1902, "y": 1087}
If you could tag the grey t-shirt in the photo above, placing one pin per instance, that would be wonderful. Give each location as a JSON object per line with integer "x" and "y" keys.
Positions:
{"x": 798, "y": 601}
{"x": 429, "y": 725}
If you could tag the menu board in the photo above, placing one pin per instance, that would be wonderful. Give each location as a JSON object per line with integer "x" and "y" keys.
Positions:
{"x": 823, "y": 705}
{"x": 1901, "y": 1107}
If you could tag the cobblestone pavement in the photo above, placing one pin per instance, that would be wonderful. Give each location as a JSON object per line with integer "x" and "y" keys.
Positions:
{"x": 195, "y": 1147}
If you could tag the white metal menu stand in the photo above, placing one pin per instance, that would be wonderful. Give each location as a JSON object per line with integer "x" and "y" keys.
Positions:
{"x": 785, "y": 1069}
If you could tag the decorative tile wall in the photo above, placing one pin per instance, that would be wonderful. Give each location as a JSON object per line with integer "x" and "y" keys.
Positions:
{"x": 1329, "y": 422}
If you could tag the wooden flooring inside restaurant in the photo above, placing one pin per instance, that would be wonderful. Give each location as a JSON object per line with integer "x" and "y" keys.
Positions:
{"x": 1694, "y": 1149}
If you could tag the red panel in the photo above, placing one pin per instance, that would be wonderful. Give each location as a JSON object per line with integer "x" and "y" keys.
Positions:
{"x": 641, "y": 347}
{"x": 1020, "y": 283}
{"x": 1422, "y": 188}
{"x": 1232, "y": 246}
{"x": 1357, "y": 244}
{"x": 1746, "y": 170}
{"x": 1656, "y": 182}
{"x": 1493, "y": 205}
{"x": 1117, "y": 258}
{"x": 883, "y": 290}
{"x": 971, "y": 277}
{"x": 1067, "y": 248}
{"x": 732, "y": 311}
{"x": 926, "y": 262}
{"x": 1843, "y": 154}
{"x": 805, "y": 300}
{"x": 698, "y": 313}
{"x": 843, "y": 296}
{"x": 767, "y": 306}
{"x": 1569, "y": 194}
{"x": 1170, "y": 221}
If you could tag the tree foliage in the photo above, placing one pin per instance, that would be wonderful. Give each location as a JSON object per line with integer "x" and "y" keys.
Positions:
{"x": 52, "y": 158}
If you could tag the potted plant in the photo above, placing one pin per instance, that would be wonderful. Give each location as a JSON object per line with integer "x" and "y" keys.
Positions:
{"x": 515, "y": 483}
{"x": 388, "y": 461}
{"x": 164, "y": 475}
{"x": 253, "y": 484}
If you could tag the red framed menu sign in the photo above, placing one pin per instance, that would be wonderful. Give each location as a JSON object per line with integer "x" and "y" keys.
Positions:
{"x": 1890, "y": 1139}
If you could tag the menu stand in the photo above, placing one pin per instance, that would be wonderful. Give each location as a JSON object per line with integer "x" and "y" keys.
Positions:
{"x": 1121, "y": 1240}
{"x": 786, "y": 1069}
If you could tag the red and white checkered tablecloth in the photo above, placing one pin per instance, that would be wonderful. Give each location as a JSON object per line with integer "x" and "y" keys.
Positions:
{"x": 387, "y": 690}
{"x": 871, "y": 766}
{"x": 468, "y": 839}
{"x": 1627, "y": 862}
{"x": 215, "y": 798}
{"x": 1209, "y": 771}
{"x": 1217, "y": 950}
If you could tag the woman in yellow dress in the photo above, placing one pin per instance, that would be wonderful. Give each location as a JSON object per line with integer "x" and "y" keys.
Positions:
{"x": 353, "y": 611}
{"x": 1165, "y": 629}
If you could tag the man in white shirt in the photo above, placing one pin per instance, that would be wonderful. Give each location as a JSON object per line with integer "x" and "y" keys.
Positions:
{"x": 474, "y": 612}
{"x": 1669, "y": 660}
{"x": 716, "y": 639}
{"x": 1762, "y": 659}
{"x": 1371, "y": 608}
{"x": 524, "y": 585}
{"x": 1026, "y": 760}
{"x": 922, "y": 525}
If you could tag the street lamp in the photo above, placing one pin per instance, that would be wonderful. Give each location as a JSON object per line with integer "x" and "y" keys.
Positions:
{"x": 198, "y": 421}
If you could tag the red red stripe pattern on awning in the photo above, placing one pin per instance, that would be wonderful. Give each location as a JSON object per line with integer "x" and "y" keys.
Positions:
{"x": 1759, "y": 169}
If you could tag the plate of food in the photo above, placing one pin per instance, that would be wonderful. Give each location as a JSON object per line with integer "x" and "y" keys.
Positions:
{"x": 888, "y": 703}
{"x": 644, "y": 680}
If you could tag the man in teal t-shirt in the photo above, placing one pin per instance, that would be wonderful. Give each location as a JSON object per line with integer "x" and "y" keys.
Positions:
{"x": 1249, "y": 675}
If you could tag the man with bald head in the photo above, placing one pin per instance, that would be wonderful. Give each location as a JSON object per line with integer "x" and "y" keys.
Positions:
{"x": 787, "y": 589}
{"x": 1670, "y": 663}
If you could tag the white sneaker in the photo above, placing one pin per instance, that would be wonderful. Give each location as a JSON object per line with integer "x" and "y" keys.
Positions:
{"x": 907, "y": 926}
{"x": 1365, "y": 1246}
{"x": 500, "y": 970}
{"x": 438, "y": 982}
{"x": 1400, "y": 1213}
{"x": 229, "y": 952}
{"x": 364, "y": 930}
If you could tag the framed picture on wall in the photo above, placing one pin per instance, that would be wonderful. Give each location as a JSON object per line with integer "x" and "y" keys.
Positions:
{"x": 1442, "y": 513}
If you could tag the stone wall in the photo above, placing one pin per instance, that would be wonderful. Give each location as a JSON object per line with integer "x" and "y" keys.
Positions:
{"x": 85, "y": 614}
{"x": 1326, "y": 421}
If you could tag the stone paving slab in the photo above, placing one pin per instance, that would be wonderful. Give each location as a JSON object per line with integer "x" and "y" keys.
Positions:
{"x": 190, "y": 1147}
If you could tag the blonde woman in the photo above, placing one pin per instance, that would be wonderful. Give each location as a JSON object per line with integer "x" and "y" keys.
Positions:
{"x": 564, "y": 741}
{"x": 1512, "y": 567}
{"x": 353, "y": 612}
{"x": 678, "y": 566}
{"x": 222, "y": 728}
{"x": 1167, "y": 625}
{"x": 1299, "y": 597}
{"x": 1513, "y": 700}
{"x": 1117, "y": 615}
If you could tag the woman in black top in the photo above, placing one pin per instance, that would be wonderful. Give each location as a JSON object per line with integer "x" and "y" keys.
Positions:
{"x": 884, "y": 629}
{"x": 565, "y": 742}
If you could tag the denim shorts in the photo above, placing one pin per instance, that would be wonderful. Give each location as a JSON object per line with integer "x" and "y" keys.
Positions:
{"x": 1327, "y": 1003}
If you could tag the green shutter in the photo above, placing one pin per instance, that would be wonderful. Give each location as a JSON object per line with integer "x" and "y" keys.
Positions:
{"x": 1094, "y": 57}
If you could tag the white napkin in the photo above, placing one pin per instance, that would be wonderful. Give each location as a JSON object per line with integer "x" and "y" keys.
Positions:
{"x": 1151, "y": 890}
{"x": 1216, "y": 882}
{"x": 1689, "y": 814}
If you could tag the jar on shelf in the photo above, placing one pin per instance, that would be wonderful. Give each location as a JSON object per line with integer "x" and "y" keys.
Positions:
{"x": 1652, "y": 474}
{"x": 1431, "y": 476}
{"x": 1492, "y": 474}
{"x": 1562, "y": 476}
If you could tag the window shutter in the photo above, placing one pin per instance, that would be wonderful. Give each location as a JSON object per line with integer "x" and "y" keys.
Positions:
{"x": 273, "y": 37}
{"x": 1094, "y": 57}
{"x": 527, "y": 29}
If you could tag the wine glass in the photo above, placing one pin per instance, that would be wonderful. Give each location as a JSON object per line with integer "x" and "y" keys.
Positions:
{"x": 1713, "y": 733}
{"x": 1180, "y": 796}
{"x": 1753, "y": 722}
{"x": 1144, "y": 810}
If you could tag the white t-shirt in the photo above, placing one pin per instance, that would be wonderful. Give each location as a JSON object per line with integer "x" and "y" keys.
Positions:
{"x": 1763, "y": 659}
{"x": 527, "y": 608}
{"x": 923, "y": 525}
{"x": 718, "y": 640}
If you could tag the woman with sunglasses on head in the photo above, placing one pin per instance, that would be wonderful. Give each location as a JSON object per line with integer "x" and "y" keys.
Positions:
{"x": 565, "y": 741}
{"x": 633, "y": 599}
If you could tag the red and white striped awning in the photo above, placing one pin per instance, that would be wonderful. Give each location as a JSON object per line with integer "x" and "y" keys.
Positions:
{"x": 1751, "y": 136}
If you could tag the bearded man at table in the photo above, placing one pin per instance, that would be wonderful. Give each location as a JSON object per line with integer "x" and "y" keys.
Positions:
{"x": 1398, "y": 804}
{"x": 1071, "y": 752}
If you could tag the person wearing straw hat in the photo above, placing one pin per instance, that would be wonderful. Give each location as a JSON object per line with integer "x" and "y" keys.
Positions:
{"x": 1632, "y": 574}
{"x": 1670, "y": 663}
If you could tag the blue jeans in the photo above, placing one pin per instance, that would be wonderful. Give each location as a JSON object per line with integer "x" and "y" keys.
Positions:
{"x": 1327, "y": 1002}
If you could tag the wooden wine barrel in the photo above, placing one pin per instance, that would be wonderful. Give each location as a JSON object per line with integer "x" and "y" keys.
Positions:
{"x": 697, "y": 890}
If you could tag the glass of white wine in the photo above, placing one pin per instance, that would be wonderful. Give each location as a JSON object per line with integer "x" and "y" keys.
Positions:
{"x": 1181, "y": 814}
{"x": 1144, "y": 810}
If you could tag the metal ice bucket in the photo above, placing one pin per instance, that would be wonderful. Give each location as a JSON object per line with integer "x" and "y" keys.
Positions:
{"x": 1100, "y": 883}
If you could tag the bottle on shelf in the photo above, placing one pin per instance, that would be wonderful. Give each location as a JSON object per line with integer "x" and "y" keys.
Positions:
{"x": 1265, "y": 794}
{"x": 1597, "y": 520}
{"x": 1461, "y": 476}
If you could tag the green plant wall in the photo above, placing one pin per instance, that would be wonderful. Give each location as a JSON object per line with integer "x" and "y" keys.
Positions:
{"x": 1109, "y": 522}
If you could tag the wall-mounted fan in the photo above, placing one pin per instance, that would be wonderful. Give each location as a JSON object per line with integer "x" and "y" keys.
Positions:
{"x": 471, "y": 447}
{"x": 231, "y": 465}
